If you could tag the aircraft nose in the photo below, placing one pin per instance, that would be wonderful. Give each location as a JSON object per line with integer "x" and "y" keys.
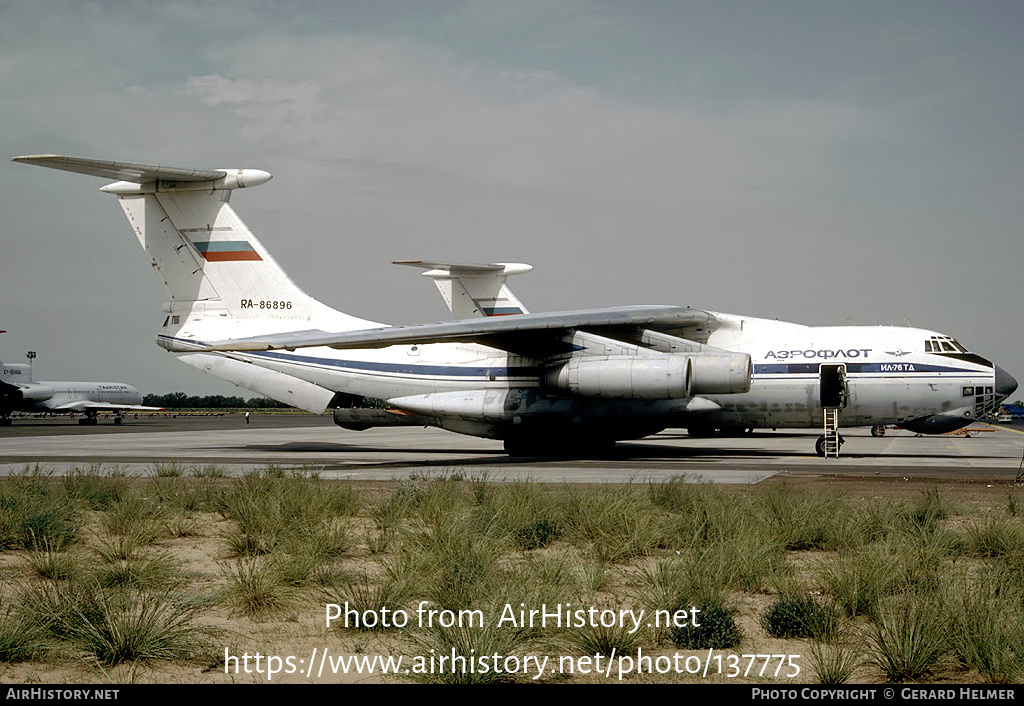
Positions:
{"x": 1005, "y": 383}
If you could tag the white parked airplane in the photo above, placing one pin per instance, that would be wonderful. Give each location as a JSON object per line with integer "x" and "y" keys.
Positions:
{"x": 19, "y": 393}
{"x": 549, "y": 382}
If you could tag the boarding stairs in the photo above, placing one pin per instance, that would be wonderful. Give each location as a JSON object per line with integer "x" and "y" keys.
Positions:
{"x": 834, "y": 395}
{"x": 831, "y": 432}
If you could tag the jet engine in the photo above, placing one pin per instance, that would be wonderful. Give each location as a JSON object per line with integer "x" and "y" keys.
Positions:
{"x": 37, "y": 392}
{"x": 654, "y": 378}
{"x": 722, "y": 373}
{"x": 626, "y": 377}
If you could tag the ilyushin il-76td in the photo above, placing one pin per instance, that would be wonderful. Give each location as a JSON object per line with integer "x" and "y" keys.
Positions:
{"x": 557, "y": 382}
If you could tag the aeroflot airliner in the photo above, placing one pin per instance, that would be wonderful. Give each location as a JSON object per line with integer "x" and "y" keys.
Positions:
{"x": 542, "y": 382}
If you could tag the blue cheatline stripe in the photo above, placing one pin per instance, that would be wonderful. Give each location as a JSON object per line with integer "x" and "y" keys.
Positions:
{"x": 426, "y": 370}
{"x": 885, "y": 368}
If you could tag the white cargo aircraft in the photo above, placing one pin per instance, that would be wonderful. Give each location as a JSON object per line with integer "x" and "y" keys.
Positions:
{"x": 19, "y": 393}
{"x": 550, "y": 382}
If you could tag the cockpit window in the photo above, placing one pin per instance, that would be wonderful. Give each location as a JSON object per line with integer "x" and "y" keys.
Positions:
{"x": 943, "y": 344}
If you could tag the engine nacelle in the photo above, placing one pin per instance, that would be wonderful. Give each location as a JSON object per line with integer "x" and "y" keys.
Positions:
{"x": 667, "y": 377}
{"x": 626, "y": 377}
{"x": 37, "y": 392}
{"x": 722, "y": 373}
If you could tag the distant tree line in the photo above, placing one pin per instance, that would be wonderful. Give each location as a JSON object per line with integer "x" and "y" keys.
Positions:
{"x": 179, "y": 400}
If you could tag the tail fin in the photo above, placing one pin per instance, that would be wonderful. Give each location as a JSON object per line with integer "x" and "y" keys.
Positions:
{"x": 15, "y": 372}
{"x": 473, "y": 291}
{"x": 210, "y": 263}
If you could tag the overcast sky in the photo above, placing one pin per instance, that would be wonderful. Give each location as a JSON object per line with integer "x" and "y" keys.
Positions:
{"x": 819, "y": 162}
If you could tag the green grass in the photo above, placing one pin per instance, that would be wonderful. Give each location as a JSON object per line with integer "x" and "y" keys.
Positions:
{"x": 987, "y": 627}
{"x": 469, "y": 642}
{"x": 140, "y": 627}
{"x": 20, "y": 639}
{"x": 255, "y": 588}
{"x": 94, "y": 549}
{"x": 833, "y": 663}
{"x": 712, "y": 628}
{"x": 800, "y": 617}
{"x": 909, "y": 637}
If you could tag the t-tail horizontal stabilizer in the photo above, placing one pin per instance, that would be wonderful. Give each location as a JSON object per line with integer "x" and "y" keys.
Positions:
{"x": 473, "y": 291}
{"x": 136, "y": 173}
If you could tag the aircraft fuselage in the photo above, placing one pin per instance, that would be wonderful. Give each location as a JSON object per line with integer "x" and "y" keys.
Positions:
{"x": 42, "y": 396}
{"x": 888, "y": 376}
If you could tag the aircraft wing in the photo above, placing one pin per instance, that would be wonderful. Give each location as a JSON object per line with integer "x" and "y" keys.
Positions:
{"x": 86, "y": 405}
{"x": 511, "y": 333}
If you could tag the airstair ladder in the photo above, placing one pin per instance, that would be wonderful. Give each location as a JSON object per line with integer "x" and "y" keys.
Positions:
{"x": 831, "y": 432}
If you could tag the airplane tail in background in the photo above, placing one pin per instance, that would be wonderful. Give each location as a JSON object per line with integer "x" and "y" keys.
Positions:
{"x": 474, "y": 291}
{"x": 15, "y": 372}
{"x": 210, "y": 263}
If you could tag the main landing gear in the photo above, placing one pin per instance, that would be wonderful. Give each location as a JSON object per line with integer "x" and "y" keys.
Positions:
{"x": 819, "y": 445}
{"x": 91, "y": 418}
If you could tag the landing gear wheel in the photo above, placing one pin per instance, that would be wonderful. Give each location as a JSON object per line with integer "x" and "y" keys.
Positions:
{"x": 819, "y": 446}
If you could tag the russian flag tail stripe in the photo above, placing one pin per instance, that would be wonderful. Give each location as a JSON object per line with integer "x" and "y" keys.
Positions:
{"x": 226, "y": 250}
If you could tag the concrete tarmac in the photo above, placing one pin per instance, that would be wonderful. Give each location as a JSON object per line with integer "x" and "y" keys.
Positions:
{"x": 314, "y": 443}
